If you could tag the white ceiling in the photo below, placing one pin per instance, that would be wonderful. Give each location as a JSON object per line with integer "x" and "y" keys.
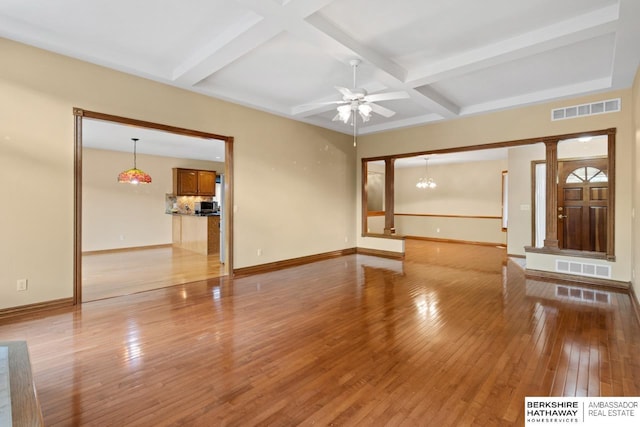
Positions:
{"x": 487, "y": 154}
{"x": 112, "y": 136}
{"x": 117, "y": 137}
{"x": 453, "y": 58}
{"x": 596, "y": 146}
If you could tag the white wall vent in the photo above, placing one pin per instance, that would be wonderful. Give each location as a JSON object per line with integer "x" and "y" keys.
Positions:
{"x": 583, "y": 295}
{"x": 583, "y": 269}
{"x": 600, "y": 107}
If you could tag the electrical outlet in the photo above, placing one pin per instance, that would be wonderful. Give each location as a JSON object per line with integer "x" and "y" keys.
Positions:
{"x": 22, "y": 285}
{"x": 437, "y": 230}
{"x": 259, "y": 252}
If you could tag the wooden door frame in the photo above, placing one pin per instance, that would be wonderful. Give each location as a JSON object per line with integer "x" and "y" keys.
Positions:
{"x": 552, "y": 202}
{"x": 79, "y": 114}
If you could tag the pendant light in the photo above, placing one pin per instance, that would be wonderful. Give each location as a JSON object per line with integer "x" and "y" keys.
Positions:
{"x": 134, "y": 176}
{"x": 426, "y": 181}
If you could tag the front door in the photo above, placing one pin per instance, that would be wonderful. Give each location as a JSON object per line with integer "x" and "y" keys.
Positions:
{"x": 582, "y": 204}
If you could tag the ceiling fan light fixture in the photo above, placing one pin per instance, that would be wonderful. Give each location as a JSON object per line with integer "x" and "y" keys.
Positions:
{"x": 365, "y": 112}
{"x": 344, "y": 113}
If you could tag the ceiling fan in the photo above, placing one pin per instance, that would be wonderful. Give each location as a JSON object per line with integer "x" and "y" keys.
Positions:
{"x": 358, "y": 100}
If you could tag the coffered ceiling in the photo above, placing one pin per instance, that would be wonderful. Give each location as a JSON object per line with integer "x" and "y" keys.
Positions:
{"x": 453, "y": 58}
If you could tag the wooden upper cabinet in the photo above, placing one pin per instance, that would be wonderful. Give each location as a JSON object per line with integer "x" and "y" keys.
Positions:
{"x": 185, "y": 182}
{"x": 193, "y": 182}
{"x": 206, "y": 183}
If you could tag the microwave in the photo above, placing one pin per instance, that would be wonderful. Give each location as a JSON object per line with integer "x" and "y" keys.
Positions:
{"x": 204, "y": 207}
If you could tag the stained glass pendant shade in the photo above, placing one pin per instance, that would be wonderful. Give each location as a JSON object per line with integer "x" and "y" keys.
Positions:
{"x": 134, "y": 175}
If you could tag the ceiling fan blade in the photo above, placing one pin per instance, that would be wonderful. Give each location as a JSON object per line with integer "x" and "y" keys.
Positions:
{"x": 345, "y": 92}
{"x": 318, "y": 104}
{"x": 387, "y": 96}
{"x": 382, "y": 110}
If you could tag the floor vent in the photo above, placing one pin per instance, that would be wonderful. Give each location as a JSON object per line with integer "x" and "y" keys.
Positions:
{"x": 582, "y": 295}
{"x": 583, "y": 110}
{"x": 583, "y": 269}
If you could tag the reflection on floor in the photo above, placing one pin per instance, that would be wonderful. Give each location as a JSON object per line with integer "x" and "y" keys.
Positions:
{"x": 110, "y": 274}
{"x": 519, "y": 261}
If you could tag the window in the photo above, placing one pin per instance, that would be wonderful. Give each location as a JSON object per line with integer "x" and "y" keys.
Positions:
{"x": 586, "y": 174}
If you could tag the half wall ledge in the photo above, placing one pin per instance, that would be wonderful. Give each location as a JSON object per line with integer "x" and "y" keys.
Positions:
{"x": 582, "y": 280}
{"x": 576, "y": 266}
{"x": 569, "y": 252}
{"x": 380, "y": 253}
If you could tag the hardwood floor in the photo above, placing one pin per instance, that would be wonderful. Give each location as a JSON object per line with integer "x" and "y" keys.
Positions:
{"x": 110, "y": 274}
{"x": 453, "y": 335}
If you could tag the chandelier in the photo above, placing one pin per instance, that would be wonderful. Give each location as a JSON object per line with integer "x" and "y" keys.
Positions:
{"x": 426, "y": 181}
{"x": 134, "y": 175}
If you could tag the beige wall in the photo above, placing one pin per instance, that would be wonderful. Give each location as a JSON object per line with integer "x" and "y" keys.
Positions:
{"x": 520, "y": 206}
{"x": 118, "y": 216}
{"x": 522, "y": 123}
{"x": 465, "y": 189}
{"x": 293, "y": 182}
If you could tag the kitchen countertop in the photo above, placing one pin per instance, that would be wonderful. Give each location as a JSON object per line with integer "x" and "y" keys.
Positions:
{"x": 193, "y": 214}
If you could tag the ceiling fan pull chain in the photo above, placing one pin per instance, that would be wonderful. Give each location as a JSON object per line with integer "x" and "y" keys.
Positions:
{"x": 355, "y": 129}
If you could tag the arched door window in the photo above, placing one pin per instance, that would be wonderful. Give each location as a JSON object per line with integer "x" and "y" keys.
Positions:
{"x": 586, "y": 174}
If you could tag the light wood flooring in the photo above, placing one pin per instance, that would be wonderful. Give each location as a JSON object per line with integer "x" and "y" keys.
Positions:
{"x": 123, "y": 272}
{"x": 454, "y": 335}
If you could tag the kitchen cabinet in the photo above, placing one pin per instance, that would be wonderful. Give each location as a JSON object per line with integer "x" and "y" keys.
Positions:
{"x": 194, "y": 182}
{"x": 206, "y": 183}
{"x": 213, "y": 235}
{"x": 176, "y": 230}
{"x": 199, "y": 234}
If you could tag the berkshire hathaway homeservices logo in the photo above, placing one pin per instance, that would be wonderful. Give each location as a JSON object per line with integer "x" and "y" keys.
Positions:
{"x": 582, "y": 411}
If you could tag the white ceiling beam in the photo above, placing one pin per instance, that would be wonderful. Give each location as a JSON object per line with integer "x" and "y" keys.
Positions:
{"x": 299, "y": 19}
{"x": 401, "y": 123}
{"x": 339, "y": 37}
{"x": 546, "y": 95}
{"x": 318, "y": 107}
{"x": 287, "y": 14}
{"x": 263, "y": 21}
{"x": 626, "y": 57}
{"x": 240, "y": 39}
{"x": 434, "y": 101}
{"x": 387, "y": 71}
{"x": 570, "y": 31}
